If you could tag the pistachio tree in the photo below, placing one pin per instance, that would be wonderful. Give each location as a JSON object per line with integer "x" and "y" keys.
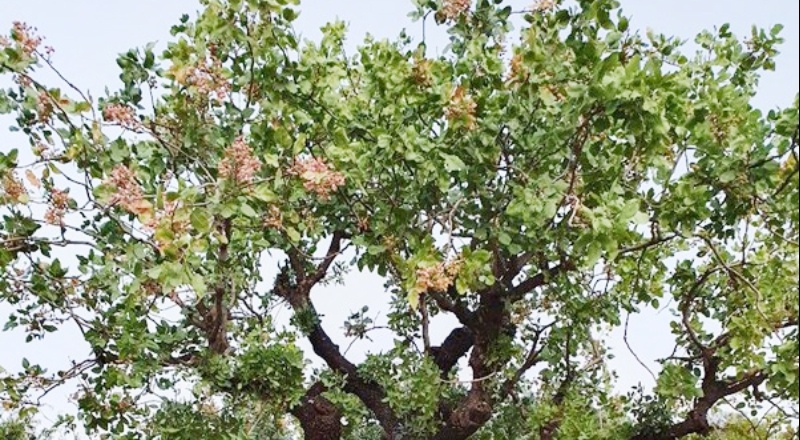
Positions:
{"x": 533, "y": 190}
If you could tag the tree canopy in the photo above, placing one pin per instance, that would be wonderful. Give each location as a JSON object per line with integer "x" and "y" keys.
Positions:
{"x": 536, "y": 192}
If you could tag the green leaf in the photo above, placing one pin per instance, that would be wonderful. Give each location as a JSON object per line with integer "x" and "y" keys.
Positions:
{"x": 413, "y": 299}
{"x": 593, "y": 254}
{"x": 264, "y": 193}
{"x": 200, "y": 220}
{"x": 640, "y": 218}
{"x": 727, "y": 176}
{"x": 248, "y": 211}
{"x": 376, "y": 249}
{"x": 452, "y": 163}
{"x": 293, "y": 234}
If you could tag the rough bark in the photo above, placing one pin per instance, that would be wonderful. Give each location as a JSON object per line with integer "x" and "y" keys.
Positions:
{"x": 454, "y": 347}
{"x": 319, "y": 418}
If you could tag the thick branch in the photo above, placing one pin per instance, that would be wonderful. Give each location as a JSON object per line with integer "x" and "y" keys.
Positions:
{"x": 476, "y": 408}
{"x": 297, "y": 293}
{"x": 517, "y": 292}
{"x": 696, "y": 421}
{"x": 333, "y": 250}
{"x": 319, "y": 418}
{"x": 372, "y": 394}
{"x": 455, "y": 345}
{"x": 445, "y": 302}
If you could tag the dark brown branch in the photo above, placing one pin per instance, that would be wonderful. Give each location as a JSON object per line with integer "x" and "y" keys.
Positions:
{"x": 296, "y": 262}
{"x": 476, "y": 408}
{"x": 297, "y": 294}
{"x": 515, "y": 266}
{"x": 714, "y": 390}
{"x": 517, "y": 292}
{"x": 455, "y": 346}
{"x": 426, "y": 335}
{"x": 333, "y": 251}
{"x": 531, "y": 359}
{"x": 648, "y": 244}
{"x": 371, "y": 393}
{"x": 446, "y": 302}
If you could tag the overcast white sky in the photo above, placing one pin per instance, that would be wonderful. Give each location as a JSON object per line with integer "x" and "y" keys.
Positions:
{"x": 88, "y": 35}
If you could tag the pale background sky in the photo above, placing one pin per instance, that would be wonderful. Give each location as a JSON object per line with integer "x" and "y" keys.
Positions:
{"x": 88, "y": 35}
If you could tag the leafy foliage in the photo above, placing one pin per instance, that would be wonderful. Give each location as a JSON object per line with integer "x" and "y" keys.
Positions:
{"x": 537, "y": 192}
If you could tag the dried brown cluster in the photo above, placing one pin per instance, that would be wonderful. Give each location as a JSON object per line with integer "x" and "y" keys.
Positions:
{"x": 13, "y": 188}
{"x": 274, "y": 218}
{"x": 421, "y": 71}
{"x": 238, "y": 163}
{"x": 516, "y": 69}
{"x": 462, "y": 108}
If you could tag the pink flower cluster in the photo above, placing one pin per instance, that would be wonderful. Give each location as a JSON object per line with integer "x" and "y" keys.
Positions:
{"x": 129, "y": 193}
{"x": 317, "y": 176}
{"x": 238, "y": 163}
{"x": 208, "y": 79}
{"x": 437, "y": 278}
{"x": 452, "y": 9}
{"x": 121, "y": 115}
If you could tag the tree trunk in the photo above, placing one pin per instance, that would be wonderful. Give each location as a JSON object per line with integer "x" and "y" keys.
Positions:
{"x": 319, "y": 418}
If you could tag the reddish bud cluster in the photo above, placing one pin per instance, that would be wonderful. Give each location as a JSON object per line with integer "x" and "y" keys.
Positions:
{"x": 60, "y": 202}
{"x": 239, "y": 163}
{"x": 121, "y": 115}
{"x": 44, "y": 106}
{"x": 208, "y": 79}
{"x": 26, "y": 37}
{"x": 23, "y": 80}
{"x": 129, "y": 193}
{"x": 317, "y": 176}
